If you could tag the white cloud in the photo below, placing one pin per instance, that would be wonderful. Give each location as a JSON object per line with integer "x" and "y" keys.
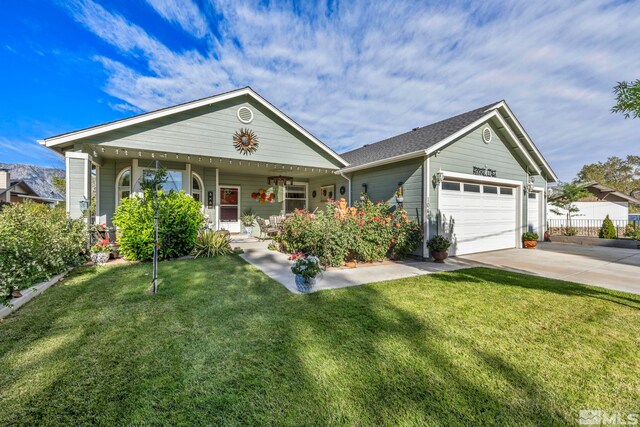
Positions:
{"x": 27, "y": 150}
{"x": 184, "y": 13}
{"x": 361, "y": 73}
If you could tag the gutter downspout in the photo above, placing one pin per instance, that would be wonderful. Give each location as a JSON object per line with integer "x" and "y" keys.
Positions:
{"x": 349, "y": 181}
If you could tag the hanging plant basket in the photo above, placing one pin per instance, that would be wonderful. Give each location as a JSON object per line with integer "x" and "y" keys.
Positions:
{"x": 245, "y": 141}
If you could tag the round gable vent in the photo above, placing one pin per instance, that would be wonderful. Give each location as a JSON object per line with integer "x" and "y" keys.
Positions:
{"x": 245, "y": 115}
{"x": 487, "y": 135}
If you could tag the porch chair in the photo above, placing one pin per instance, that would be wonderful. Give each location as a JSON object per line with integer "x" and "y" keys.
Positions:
{"x": 266, "y": 230}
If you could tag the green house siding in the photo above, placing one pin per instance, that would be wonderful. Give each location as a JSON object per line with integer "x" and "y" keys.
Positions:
{"x": 108, "y": 173}
{"x": 208, "y": 131}
{"x": 329, "y": 179}
{"x": 382, "y": 183}
{"x": 469, "y": 151}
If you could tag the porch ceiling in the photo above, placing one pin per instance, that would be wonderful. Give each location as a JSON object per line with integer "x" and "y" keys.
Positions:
{"x": 225, "y": 165}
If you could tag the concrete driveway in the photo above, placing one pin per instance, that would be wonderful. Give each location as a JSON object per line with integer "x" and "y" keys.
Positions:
{"x": 611, "y": 268}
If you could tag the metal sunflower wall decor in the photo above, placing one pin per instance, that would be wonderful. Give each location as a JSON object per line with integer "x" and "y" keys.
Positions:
{"x": 245, "y": 141}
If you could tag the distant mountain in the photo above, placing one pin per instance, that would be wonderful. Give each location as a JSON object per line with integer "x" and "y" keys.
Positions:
{"x": 40, "y": 179}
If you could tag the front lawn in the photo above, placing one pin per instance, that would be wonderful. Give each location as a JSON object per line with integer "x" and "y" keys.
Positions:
{"x": 223, "y": 344}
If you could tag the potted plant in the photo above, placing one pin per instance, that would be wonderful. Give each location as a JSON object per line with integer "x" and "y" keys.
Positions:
{"x": 438, "y": 246}
{"x": 100, "y": 252}
{"x": 248, "y": 218}
{"x": 530, "y": 240}
{"x": 305, "y": 268}
{"x": 399, "y": 194}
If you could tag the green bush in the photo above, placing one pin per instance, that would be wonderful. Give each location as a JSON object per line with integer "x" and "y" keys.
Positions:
{"x": 366, "y": 232}
{"x": 632, "y": 231}
{"x": 607, "y": 231}
{"x": 179, "y": 220}
{"x": 530, "y": 236}
{"x": 36, "y": 242}
{"x": 211, "y": 243}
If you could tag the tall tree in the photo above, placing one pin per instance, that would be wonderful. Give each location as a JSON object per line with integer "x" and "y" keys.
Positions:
{"x": 620, "y": 174}
{"x": 627, "y": 99}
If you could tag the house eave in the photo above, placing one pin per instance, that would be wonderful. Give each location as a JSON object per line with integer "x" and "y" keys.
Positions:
{"x": 382, "y": 162}
{"x": 58, "y": 140}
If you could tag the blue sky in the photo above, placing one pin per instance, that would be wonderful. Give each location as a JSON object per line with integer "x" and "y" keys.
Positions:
{"x": 349, "y": 72}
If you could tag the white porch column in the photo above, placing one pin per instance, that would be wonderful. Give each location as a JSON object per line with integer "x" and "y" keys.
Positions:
{"x": 217, "y": 199}
{"x": 136, "y": 176}
{"x": 186, "y": 179}
{"x": 78, "y": 176}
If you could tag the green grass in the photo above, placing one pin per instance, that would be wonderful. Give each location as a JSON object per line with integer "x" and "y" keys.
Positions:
{"x": 223, "y": 344}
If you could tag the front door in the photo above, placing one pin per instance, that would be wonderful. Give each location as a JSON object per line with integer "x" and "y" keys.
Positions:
{"x": 533, "y": 213}
{"x": 230, "y": 208}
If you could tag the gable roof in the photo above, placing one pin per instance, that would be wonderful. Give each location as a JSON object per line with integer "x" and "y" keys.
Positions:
{"x": 163, "y": 112}
{"x": 17, "y": 183}
{"x": 608, "y": 190}
{"x": 414, "y": 140}
{"x": 428, "y": 139}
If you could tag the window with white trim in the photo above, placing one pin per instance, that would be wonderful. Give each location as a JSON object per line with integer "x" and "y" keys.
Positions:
{"x": 295, "y": 197}
{"x": 451, "y": 186}
{"x": 123, "y": 185}
{"x": 196, "y": 187}
{"x": 173, "y": 182}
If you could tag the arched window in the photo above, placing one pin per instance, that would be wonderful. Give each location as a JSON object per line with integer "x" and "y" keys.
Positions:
{"x": 196, "y": 187}
{"x": 123, "y": 185}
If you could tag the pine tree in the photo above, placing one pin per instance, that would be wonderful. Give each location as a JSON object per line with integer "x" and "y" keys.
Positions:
{"x": 607, "y": 231}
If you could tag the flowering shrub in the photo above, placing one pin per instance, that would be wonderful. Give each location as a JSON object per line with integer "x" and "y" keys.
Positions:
{"x": 179, "y": 221}
{"x": 36, "y": 242}
{"x": 103, "y": 245}
{"x": 366, "y": 232}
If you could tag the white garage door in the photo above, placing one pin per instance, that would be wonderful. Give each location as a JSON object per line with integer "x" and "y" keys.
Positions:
{"x": 478, "y": 217}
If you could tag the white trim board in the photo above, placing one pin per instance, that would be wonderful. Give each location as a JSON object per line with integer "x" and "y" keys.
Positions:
{"x": 383, "y": 162}
{"x": 533, "y": 147}
{"x": 247, "y": 91}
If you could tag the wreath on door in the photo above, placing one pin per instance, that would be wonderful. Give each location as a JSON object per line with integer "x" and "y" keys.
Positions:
{"x": 245, "y": 141}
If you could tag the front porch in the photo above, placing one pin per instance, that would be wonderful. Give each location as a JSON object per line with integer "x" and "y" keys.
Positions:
{"x": 103, "y": 175}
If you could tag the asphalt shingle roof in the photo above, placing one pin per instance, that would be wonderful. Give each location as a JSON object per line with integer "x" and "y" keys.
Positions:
{"x": 415, "y": 140}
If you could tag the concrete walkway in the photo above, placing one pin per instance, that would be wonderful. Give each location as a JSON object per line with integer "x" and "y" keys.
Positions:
{"x": 612, "y": 268}
{"x": 277, "y": 266}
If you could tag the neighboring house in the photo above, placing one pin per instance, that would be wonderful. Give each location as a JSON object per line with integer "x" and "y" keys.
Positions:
{"x": 476, "y": 177}
{"x": 603, "y": 201}
{"x": 17, "y": 191}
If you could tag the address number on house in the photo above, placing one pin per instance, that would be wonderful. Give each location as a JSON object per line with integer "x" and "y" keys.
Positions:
{"x": 484, "y": 171}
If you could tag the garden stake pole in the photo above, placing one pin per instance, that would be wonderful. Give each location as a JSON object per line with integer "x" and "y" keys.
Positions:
{"x": 154, "y": 284}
